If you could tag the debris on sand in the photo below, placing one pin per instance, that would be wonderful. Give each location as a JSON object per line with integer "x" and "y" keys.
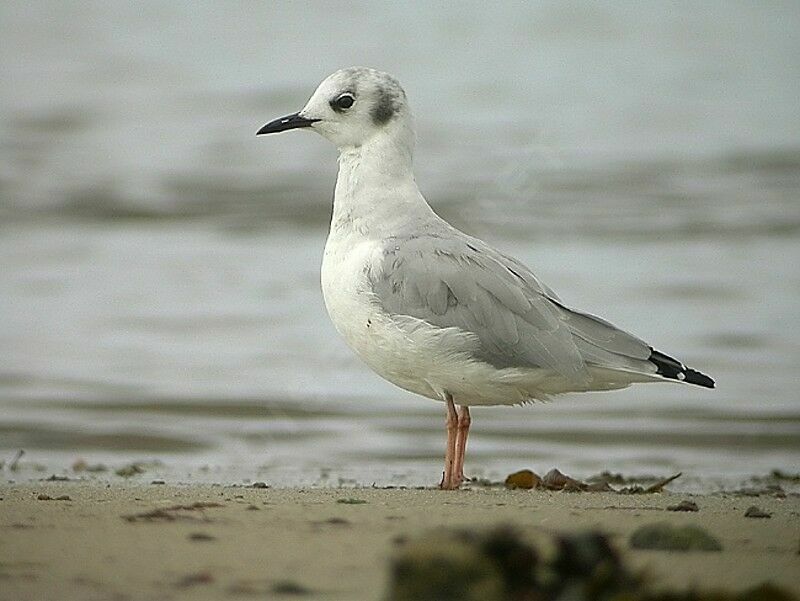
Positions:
{"x": 782, "y": 475}
{"x": 607, "y": 477}
{"x": 44, "y": 497}
{"x": 350, "y": 501}
{"x": 552, "y": 480}
{"x": 555, "y": 480}
{"x": 684, "y": 505}
{"x": 195, "y": 579}
{"x": 653, "y": 488}
{"x": 599, "y": 487}
{"x": 618, "y": 478}
{"x": 769, "y": 485}
{"x": 290, "y": 587}
{"x": 13, "y": 465}
{"x": 756, "y": 512}
{"x": 500, "y": 565}
{"x": 449, "y": 566}
{"x": 525, "y": 479}
{"x": 173, "y": 513}
{"x": 335, "y": 521}
{"x": 130, "y": 470}
{"x": 663, "y": 536}
{"x": 80, "y": 465}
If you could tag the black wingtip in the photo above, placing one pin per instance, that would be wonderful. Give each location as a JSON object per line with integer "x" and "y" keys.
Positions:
{"x": 695, "y": 377}
{"x": 673, "y": 369}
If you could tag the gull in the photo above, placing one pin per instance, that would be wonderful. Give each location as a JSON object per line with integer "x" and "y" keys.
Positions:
{"x": 434, "y": 310}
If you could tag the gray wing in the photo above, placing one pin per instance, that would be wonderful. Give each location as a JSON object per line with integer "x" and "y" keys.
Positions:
{"x": 458, "y": 281}
{"x": 603, "y": 344}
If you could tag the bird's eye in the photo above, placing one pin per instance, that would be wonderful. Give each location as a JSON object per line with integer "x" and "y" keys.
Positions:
{"x": 343, "y": 102}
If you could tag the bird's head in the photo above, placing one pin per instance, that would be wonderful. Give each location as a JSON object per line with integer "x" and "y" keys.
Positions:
{"x": 350, "y": 107}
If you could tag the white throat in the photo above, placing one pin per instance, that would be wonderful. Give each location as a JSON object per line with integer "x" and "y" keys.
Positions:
{"x": 376, "y": 192}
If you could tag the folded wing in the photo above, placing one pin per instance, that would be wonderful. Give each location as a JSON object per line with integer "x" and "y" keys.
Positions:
{"x": 465, "y": 284}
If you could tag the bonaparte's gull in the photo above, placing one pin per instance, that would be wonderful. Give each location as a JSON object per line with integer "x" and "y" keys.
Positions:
{"x": 432, "y": 309}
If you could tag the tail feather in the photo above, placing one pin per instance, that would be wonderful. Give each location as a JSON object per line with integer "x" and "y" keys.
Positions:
{"x": 604, "y": 345}
{"x": 673, "y": 369}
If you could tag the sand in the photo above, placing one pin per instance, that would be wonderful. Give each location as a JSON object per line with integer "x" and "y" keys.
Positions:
{"x": 130, "y": 541}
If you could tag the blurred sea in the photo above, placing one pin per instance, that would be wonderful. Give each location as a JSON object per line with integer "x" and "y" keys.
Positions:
{"x": 159, "y": 264}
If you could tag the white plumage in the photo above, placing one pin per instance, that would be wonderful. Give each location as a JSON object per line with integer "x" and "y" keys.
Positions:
{"x": 436, "y": 311}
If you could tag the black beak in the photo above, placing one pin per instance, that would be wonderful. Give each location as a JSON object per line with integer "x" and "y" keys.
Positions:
{"x": 292, "y": 121}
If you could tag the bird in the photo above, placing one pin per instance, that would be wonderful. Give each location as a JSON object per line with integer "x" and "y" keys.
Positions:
{"x": 432, "y": 309}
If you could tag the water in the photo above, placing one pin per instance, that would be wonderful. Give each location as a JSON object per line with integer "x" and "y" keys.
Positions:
{"x": 159, "y": 264}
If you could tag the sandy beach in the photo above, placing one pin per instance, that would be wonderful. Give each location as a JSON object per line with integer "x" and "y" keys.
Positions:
{"x": 166, "y": 344}
{"x": 94, "y": 540}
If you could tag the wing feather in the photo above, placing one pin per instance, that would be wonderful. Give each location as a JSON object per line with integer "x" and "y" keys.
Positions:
{"x": 604, "y": 335}
{"x": 461, "y": 282}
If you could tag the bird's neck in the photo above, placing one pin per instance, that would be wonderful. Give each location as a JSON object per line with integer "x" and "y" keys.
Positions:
{"x": 375, "y": 190}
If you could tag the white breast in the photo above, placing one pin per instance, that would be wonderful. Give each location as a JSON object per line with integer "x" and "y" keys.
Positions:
{"x": 358, "y": 317}
{"x": 406, "y": 351}
{"x": 416, "y": 355}
{"x": 345, "y": 286}
{"x": 409, "y": 352}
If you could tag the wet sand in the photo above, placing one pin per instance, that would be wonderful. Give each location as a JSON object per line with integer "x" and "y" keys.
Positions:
{"x": 138, "y": 541}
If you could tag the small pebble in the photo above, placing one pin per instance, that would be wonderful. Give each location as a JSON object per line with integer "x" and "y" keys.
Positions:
{"x": 289, "y": 587}
{"x": 194, "y": 579}
{"x": 525, "y": 479}
{"x": 600, "y": 487}
{"x": 556, "y": 480}
{"x": 756, "y": 512}
{"x": 130, "y": 470}
{"x": 684, "y": 505}
{"x": 337, "y": 521}
{"x": 667, "y": 537}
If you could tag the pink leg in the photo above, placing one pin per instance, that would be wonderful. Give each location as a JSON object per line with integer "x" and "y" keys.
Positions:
{"x": 464, "y": 421}
{"x": 450, "y": 451}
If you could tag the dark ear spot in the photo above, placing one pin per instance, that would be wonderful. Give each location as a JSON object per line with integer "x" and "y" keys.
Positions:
{"x": 385, "y": 108}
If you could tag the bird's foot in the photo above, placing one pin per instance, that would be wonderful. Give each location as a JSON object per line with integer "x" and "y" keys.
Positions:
{"x": 449, "y": 483}
{"x": 453, "y": 482}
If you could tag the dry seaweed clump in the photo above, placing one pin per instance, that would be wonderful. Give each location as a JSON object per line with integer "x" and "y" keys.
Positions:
{"x": 447, "y": 568}
{"x": 525, "y": 479}
{"x": 131, "y": 469}
{"x": 684, "y": 505}
{"x": 499, "y": 565}
{"x": 556, "y": 480}
{"x": 756, "y": 512}
{"x": 663, "y": 536}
